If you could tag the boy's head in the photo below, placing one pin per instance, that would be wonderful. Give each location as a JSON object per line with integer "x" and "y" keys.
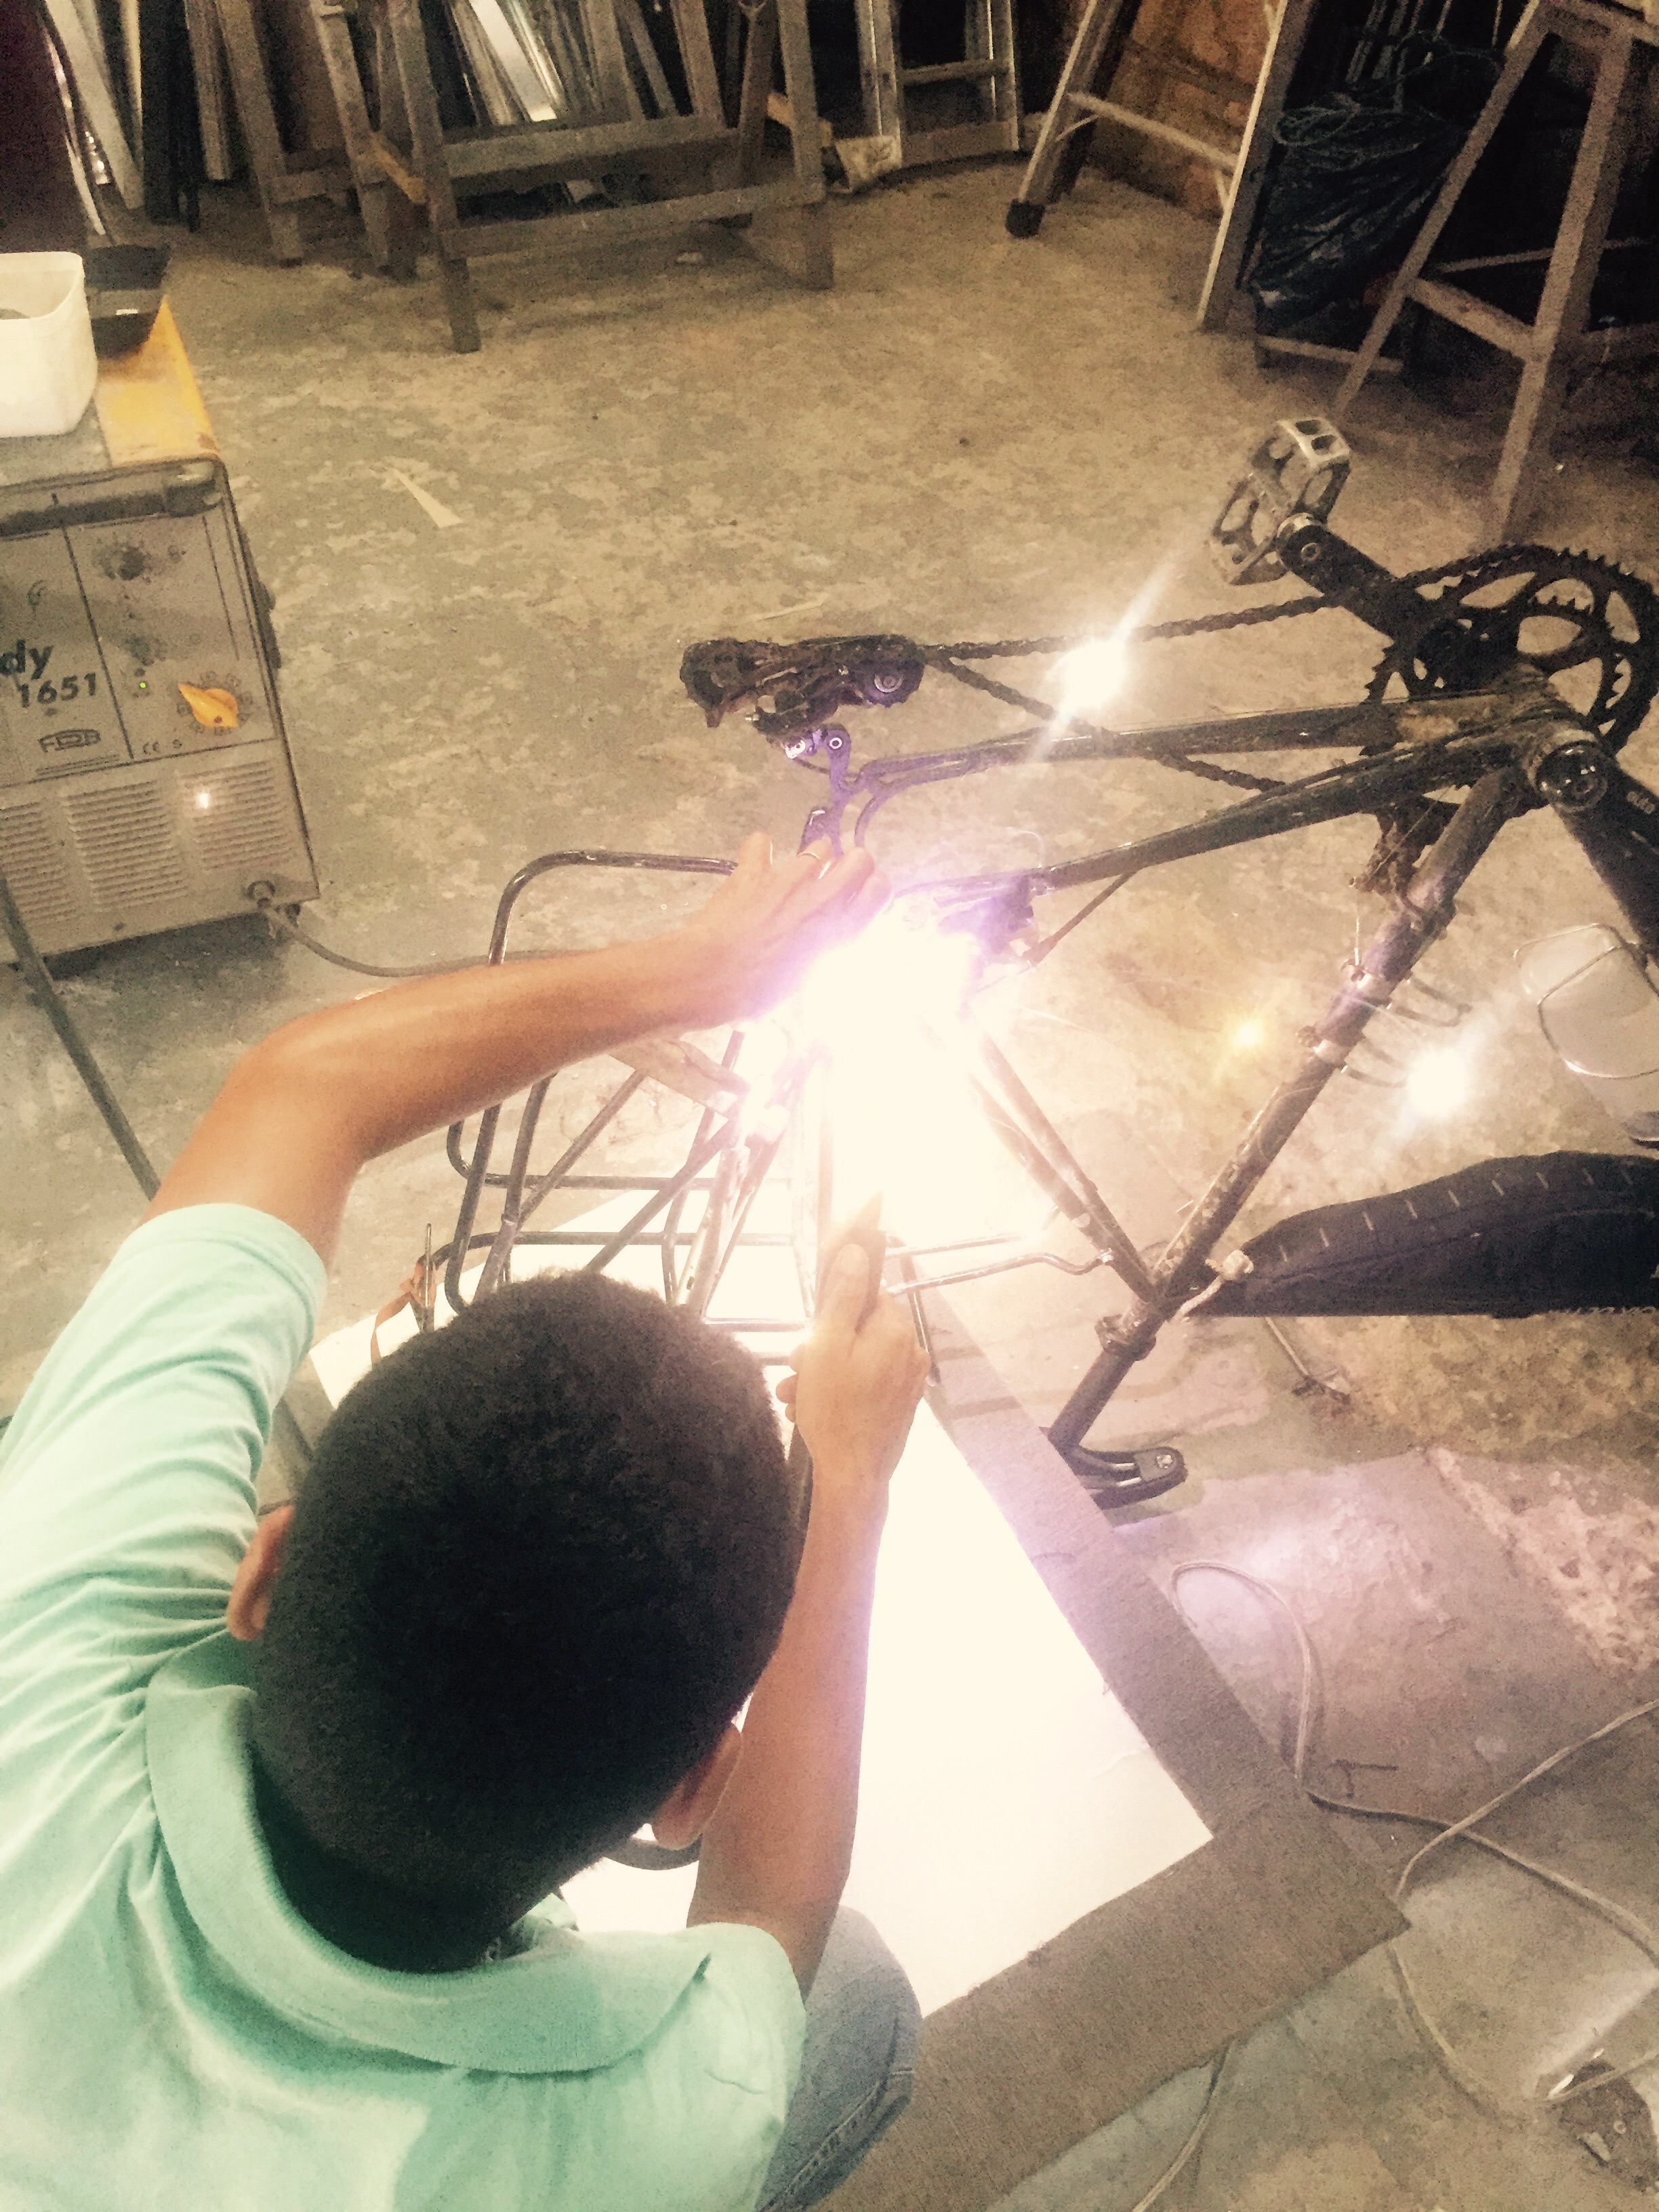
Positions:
{"x": 541, "y": 1557}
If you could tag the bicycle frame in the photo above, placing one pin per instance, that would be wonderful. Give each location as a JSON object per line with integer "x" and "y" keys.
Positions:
{"x": 1508, "y": 744}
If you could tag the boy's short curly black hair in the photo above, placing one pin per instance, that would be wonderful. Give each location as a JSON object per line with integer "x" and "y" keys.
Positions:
{"x": 540, "y": 1559}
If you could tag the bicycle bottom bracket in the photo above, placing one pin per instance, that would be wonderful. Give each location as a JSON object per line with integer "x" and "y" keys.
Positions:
{"x": 1025, "y": 218}
{"x": 1113, "y": 1479}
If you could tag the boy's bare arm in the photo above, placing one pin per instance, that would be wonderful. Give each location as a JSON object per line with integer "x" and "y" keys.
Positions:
{"x": 775, "y": 1854}
{"x": 302, "y": 1113}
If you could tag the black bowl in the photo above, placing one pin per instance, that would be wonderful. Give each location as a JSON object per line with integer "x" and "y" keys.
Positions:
{"x": 123, "y": 293}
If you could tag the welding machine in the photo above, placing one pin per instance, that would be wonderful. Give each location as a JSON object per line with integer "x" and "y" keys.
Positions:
{"x": 145, "y": 778}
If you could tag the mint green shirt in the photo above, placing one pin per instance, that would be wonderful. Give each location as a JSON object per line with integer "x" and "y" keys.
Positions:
{"x": 172, "y": 2035}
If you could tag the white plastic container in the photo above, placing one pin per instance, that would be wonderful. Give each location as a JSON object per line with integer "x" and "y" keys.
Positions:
{"x": 48, "y": 365}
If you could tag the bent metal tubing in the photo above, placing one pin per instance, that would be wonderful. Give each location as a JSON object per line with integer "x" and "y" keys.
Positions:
{"x": 1395, "y": 738}
{"x": 1413, "y": 751}
{"x": 476, "y": 1171}
{"x": 1421, "y": 916}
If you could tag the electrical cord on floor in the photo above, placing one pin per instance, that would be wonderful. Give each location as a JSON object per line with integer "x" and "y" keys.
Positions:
{"x": 1189, "y": 2150}
{"x": 51, "y": 1002}
{"x": 1183, "y": 2157}
{"x": 284, "y": 1424}
{"x": 1446, "y": 1832}
{"x": 284, "y": 924}
{"x": 1633, "y": 1930}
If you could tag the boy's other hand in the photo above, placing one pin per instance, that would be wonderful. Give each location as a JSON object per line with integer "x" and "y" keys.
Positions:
{"x": 855, "y": 1391}
{"x": 753, "y": 942}
{"x": 775, "y": 1853}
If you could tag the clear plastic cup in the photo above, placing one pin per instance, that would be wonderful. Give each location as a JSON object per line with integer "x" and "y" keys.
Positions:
{"x": 1600, "y": 1013}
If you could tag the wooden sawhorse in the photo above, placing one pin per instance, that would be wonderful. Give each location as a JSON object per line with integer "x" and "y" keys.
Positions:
{"x": 1557, "y": 341}
{"x": 425, "y": 163}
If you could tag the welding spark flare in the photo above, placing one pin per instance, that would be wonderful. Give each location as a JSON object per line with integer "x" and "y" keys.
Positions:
{"x": 889, "y": 1011}
{"x": 1091, "y": 676}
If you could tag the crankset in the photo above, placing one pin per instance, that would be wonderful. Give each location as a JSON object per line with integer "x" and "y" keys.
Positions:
{"x": 1591, "y": 627}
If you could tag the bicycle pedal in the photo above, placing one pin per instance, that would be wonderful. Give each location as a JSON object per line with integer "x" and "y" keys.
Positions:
{"x": 1114, "y": 1479}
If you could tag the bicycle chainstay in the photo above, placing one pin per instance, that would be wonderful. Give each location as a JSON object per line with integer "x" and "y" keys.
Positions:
{"x": 807, "y": 681}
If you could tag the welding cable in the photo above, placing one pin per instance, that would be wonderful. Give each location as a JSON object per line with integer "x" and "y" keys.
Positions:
{"x": 1604, "y": 1908}
{"x": 1184, "y": 2156}
{"x": 284, "y": 924}
{"x": 50, "y": 1000}
{"x": 280, "y": 917}
{"x": 1307, "y": 1695}
{"x": 1465, "y": 1830}
{"x": 284, "y": 1423}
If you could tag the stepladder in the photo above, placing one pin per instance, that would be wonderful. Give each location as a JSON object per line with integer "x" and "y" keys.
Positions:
{"x": 1558, "y": 341}
{"x": 599, "y": 128}
{"x": 988, "y": 74}
{"x": 1103, "y": 37}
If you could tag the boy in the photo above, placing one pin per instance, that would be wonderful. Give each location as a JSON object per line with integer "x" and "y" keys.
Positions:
{"x": 269, "y": 1937}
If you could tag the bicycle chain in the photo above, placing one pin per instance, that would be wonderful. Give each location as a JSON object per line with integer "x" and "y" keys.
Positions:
{"x": 1015, "y": 648}
{"x": 947, "y": 658}
{"x": 1211, "y": 774}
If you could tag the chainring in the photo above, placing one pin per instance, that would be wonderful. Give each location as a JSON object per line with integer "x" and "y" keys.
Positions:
{"x": 1590, "y": 626}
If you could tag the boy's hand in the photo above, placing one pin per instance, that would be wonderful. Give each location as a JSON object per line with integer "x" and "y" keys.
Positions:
{"x": 777, "y": 1852}
{"x": 855, "y": 1390}
{"x": 754, "y": 940}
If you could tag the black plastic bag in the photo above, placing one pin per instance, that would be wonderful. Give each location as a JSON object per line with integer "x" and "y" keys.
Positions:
{"x": 1352, "y": 183}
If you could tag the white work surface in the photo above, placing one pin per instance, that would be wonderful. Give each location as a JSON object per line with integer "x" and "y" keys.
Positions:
{"x": 1005, "y": 1792}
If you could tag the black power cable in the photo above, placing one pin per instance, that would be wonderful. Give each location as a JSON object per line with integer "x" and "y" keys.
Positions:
{"x": 50, "y": 1000}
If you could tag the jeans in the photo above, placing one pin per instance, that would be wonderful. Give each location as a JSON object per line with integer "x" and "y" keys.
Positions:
{"x": 862, "y": 2027}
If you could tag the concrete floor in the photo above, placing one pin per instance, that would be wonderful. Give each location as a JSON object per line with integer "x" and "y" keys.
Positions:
{"x": 975, "y": 438}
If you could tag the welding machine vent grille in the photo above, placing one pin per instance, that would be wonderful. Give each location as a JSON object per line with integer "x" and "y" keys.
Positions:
{"x": 127, "y": 841}
{"x": 34, "y": 864}
{"x": 239, "y": 813}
